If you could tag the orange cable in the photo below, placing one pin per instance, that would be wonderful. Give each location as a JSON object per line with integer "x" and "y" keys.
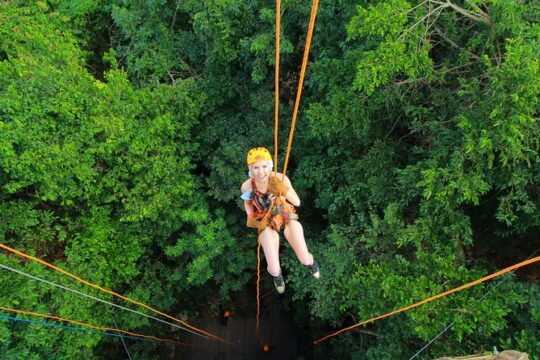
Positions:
{"x": 21, "y": 254}
{"x": 257, "y": 321}
{"x": 300, "y": 85}
{"x": 276, "y": 122}
{"x": 446, "y": 293}
{"x": 258, "y": 291}
{"x": 276, "y": 129}
{"x": 276, "y": 84}
{"x": 95, "y": 327}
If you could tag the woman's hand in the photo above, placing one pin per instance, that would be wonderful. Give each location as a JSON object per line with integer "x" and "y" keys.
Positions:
{"x": 276, "y": 187}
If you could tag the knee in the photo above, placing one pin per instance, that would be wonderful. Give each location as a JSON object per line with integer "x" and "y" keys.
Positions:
{"x": 293, "y": 227}
{"x": 294, "y": 224}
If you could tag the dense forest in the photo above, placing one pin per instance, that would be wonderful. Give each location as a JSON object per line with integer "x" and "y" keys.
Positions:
{"x": 124, "y": 127}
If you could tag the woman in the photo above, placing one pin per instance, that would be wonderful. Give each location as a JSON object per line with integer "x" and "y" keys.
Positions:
{"x": 269, "y": 213}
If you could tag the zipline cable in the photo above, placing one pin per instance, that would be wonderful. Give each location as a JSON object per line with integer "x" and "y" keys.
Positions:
{"x": 449, "y": 326}
{"x": 123, "y": 342}
{"x": 97, "y": 299}
{"x": 432, "y": 298}
{"x": 42, "y": 262}
{"x": 95, "y": 327}
{"x": 42, "y": 323}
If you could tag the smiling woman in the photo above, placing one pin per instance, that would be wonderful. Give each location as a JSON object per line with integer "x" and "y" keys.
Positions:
{"x": 270, "y": 206}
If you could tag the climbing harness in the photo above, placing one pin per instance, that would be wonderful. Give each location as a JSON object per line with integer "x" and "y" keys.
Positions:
{"x": 275, "y": 212}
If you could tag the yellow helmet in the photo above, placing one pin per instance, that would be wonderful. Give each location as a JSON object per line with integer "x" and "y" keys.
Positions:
{"x": 258, "y": 154}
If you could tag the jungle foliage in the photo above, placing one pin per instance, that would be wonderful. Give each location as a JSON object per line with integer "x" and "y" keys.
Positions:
{"x": 123, "y": 132}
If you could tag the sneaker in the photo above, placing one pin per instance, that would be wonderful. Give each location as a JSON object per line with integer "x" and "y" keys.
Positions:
{"x": 314, "y": 270}
{"x": 279, "y": 283}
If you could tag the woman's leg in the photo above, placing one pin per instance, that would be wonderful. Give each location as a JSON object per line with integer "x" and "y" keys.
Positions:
{"x": 294, "y": 233}
{"x": 270, "y": 243}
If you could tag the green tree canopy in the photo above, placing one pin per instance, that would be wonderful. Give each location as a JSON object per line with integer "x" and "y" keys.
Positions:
{"x": 123, "y": 131}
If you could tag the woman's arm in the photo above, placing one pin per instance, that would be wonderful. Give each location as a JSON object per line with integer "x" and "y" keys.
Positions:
{"x": 249, "y": 208}
{"x": 246, "y": 186}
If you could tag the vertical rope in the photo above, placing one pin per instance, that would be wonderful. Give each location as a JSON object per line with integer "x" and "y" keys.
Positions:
{"x": 276, "y": 145}
{"x": 276, "y": 83}
{"x": 300, "y": 86}
{"x": 276, "y": 123}
{"x": 258, "y": 288}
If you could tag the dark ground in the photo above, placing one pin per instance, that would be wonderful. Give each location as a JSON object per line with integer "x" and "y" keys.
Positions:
{"x": 277, "y": 330}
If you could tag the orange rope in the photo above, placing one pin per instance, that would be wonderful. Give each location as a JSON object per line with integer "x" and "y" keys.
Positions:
{"x": 257, "y": 319}
{"x": 258, "y": 289}
{"x": 276, "y": 83}
{"x": 95, "y": 327}
{"x": 276, "y": 122}
{"x": 300, "y": 85}
{"x": 446, "y": 293}
{"x": 26, "y": 256}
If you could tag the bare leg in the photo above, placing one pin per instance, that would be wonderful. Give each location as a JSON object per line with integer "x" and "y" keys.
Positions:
{"x": 295, "y": 236}
{"x": 270, "y": 244}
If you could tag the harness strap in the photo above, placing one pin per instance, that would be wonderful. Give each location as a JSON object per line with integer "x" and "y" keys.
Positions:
{"x": 276, "y": 208}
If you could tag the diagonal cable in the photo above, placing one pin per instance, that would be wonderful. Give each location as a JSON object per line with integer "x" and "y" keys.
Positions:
{"x": 97, "y": 299}
{"x": 123, "y": 342}
{"x": 90, "y": 326}
{"x": 432, "y": 298}
{"x": 449, "y": 326}
{"x": 90, "y": 284}
{"x": 43, "y": 323}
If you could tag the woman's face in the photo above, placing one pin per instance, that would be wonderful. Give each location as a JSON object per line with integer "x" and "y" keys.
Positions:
{"x": 260, "y": 170}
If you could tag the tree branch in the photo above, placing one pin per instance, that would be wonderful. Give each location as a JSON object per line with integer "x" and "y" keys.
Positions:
{"x": 482, "y": 17}
{"x": 477, "y": 8}
{"x": 174, "y": 16}
{"x": 453, "y": 44}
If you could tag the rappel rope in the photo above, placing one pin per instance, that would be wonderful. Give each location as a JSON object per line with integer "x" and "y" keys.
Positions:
{"x": 309, "y": 36}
